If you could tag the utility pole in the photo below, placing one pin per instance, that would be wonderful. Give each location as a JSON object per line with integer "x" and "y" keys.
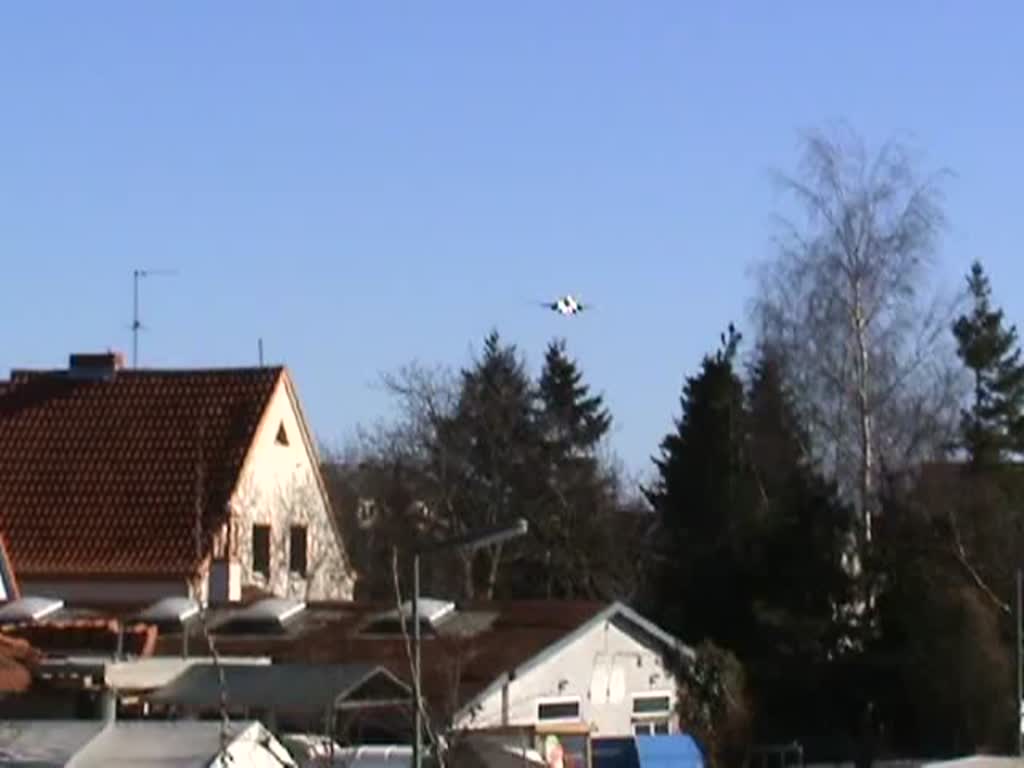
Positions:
{"x": 1020, "y": 666}
{"x": 136, "y": 322}
{"x": 417, "y": 678}
{"x": 471, "y": 541}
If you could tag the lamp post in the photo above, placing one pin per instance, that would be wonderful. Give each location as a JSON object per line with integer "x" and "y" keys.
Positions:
{"x": 1020, "y": 664}
{"x": 472, "y": 541}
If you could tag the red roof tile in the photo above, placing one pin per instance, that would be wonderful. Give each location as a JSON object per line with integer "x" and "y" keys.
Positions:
{"x": 98, "y": 476}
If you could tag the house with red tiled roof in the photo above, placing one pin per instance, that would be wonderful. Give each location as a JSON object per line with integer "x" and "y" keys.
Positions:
{"x": 137, "y": 484}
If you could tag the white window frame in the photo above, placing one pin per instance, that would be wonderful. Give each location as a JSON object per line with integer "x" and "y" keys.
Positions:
{"x": 659, "y": 714}
{"x": 542, "y": 700}
{"x": 649, "y": 727}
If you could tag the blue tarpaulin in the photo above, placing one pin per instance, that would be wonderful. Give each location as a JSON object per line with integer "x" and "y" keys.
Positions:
{"x": 676, "y": 751}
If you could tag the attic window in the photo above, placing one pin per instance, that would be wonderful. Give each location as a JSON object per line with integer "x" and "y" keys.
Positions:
{"x": 282, "y": 435}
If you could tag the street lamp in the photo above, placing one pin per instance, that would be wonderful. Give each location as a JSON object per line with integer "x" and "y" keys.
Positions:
{"x": 472, "y": 541}
{"x": 1020, "y": 664}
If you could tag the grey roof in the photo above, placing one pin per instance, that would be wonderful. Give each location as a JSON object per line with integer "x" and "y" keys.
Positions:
{"x": 92, "y": 743}
{"x": 44, "y": 743}
{"x": 296, "y": 688}
{"x": 176, "y": 744}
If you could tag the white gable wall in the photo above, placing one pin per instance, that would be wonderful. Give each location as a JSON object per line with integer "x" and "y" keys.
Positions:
{"x": 280, "y": 487}
{"x": 604, "y": 668}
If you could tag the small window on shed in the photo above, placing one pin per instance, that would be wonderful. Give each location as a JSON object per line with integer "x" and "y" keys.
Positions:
{"x": 282, "y": 435}
{"x": 261, "y": 549}
{"x": 652, "y": 704}
{"x": 558, "y": 709}
{"x": 297, "y": 550}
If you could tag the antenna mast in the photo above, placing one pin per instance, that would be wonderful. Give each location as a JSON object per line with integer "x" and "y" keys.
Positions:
{"x": 136, "y": 322}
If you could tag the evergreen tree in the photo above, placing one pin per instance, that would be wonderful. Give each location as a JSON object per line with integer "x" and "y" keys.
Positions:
{"x": 752, "y": 539}
{"x": 802, "y": 524}
{"x": 574, "y": 420}
{"x": 993, "y": 427}
{"x": 800, "y": 530}
{"x": 943, "y": 660}
{"x": 575, "y": 526}
{"x": 491, "y": 443}
{"x": 701, "y": 496}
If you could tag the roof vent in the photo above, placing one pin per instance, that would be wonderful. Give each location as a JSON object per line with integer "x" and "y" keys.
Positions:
{"x": 282, "y": 435}
{"x": 269, "y": 615}
{"x": 95, "y": 366}
{"x": 29, "y": 609}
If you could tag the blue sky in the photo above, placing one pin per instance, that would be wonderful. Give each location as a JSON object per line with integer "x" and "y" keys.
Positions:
{"x": 363, "y": 184}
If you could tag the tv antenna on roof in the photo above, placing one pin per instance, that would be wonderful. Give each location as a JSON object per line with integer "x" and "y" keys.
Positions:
{"x": 136, "y": 322}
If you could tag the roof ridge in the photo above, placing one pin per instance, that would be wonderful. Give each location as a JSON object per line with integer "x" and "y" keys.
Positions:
{"x": 137, "y": 371}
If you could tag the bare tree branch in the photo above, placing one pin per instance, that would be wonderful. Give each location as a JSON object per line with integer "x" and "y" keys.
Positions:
{"x": 844, "y": 302}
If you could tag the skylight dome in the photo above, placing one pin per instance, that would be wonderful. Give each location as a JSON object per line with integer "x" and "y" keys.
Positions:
{"x": 30, "y": 609}
{"x": 271, "y": 614}
{"x": 432, "y": 612}
{"x": 170, "y": 610}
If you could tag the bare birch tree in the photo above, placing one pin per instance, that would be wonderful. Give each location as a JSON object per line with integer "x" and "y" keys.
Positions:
{"x": 847, "y": 302}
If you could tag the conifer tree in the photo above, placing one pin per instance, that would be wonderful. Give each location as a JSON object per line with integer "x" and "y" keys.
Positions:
{"x": 753, "y": 536}
{"x": 802, "y": 524}
{"x": 574, "y": 420}
{"x": 993, "y": 427}
{"x": 701, "y": 496}
{"x": 573, "y": 542}
{"x": 801, "y": 528}
{"x": 492, "y": 444}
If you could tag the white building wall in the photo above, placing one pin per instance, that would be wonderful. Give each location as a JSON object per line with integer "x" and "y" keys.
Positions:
{"x": 605, "y": 669}
{"x": 280, "y": 488}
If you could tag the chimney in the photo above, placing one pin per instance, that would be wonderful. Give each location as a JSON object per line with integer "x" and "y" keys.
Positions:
{"x": 95, "y": 366}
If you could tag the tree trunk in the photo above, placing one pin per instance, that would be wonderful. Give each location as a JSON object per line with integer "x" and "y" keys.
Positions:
{"x": 867, "y": 458}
